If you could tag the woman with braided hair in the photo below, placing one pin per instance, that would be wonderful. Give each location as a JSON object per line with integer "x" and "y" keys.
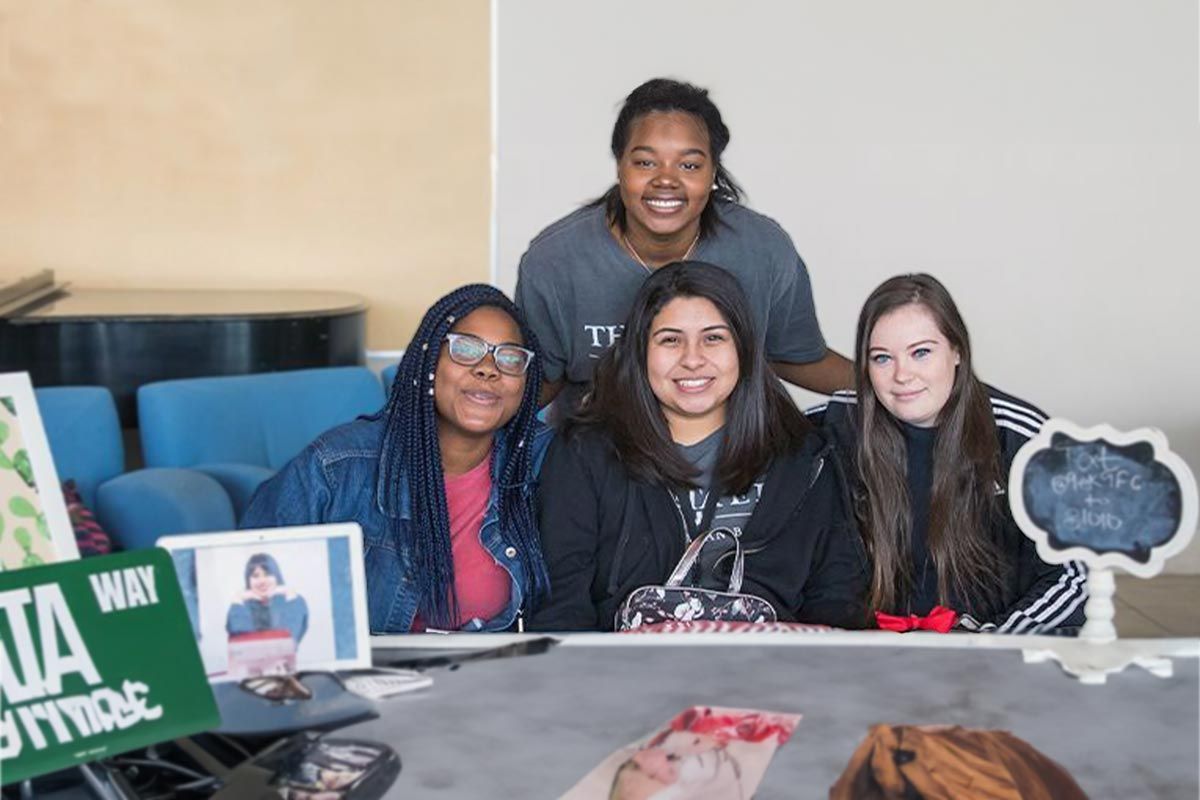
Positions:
{"x": 442, "y": 479}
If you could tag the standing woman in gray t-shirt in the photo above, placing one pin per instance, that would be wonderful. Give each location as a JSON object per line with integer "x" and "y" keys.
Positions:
{"x": 673, "y": 200}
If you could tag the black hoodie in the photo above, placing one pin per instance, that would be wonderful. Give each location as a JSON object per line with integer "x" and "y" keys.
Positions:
{"x": 605, "y": 534}
{"x": 1036, "y": 597}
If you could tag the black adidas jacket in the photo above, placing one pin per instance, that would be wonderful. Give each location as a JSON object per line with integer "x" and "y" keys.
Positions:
{"x": 1038, "y": 597}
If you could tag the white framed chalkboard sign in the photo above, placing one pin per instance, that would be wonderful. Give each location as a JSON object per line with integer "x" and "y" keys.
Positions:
{"x": 1110, "y": 499}
{"x": 1102, "y": 496}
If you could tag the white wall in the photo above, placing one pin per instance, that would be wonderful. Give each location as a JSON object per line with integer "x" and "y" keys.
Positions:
{"x": 1041, "y": 158}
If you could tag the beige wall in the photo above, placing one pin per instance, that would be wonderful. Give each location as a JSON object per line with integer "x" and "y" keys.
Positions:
{"x": 276, "y": 143}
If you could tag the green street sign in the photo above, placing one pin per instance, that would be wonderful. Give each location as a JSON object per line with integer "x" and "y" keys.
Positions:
{"x": 97, "y": 657}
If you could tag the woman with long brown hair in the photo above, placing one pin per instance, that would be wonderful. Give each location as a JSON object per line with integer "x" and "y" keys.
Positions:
{"x": 688, "y": 431}
{"x": 931, "y": 446}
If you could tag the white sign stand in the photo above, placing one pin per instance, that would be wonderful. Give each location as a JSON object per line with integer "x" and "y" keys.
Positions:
{"x": 1098, "y": 653}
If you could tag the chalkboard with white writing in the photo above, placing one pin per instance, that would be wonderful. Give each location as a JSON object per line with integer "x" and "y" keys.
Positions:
{"x": 1124, "y": 496}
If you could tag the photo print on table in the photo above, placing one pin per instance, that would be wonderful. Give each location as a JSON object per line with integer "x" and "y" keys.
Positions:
{"x": 703, "y": 753}
{"x": 946, "y": 762}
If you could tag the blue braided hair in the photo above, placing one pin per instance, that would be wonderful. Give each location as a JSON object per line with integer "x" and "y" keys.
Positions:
{"x": 411, "y": 453}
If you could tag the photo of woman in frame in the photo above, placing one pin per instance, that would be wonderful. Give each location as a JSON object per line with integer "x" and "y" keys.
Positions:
{"x": 266, "y": 603}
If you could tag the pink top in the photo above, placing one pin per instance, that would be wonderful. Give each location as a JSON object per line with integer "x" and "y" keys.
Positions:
{"x": 483, "y": 587}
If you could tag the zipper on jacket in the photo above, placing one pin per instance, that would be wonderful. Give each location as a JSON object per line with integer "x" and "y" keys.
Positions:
{"x": 816, "y": 474}
{"x": 614, "y": 575}
{"x": 687, "y": 536}
{"x": 811, "y": 483}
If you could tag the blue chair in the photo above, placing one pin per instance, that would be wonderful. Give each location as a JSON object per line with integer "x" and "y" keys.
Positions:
{"x": 84, "y": 435}
{"x": 135, "y": 508}
{"x": 241, "y": 429}
{"x": 388, "y": 376}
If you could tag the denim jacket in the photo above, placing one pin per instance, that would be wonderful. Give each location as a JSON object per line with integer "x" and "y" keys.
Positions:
{"x": 337, "y": 479}
{"x": 277, "y": 613}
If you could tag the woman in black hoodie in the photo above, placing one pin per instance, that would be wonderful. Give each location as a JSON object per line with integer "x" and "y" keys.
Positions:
{"x": 687, "y": 429}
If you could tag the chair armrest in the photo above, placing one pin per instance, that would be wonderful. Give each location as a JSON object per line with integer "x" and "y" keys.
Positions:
{"x": 138, "y": 507}
{"x": 238, "y": 480}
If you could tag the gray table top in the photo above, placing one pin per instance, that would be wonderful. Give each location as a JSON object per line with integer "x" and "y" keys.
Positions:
{"x": 531, "y": 727}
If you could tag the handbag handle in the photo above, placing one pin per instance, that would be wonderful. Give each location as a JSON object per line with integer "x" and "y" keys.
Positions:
{"x": 693, "y": 552}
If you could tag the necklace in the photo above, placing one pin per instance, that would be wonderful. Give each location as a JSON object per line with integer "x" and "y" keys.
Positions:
{"x": 633, "y": 251}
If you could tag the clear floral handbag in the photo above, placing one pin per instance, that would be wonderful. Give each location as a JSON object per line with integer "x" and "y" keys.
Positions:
{"x": 672, "y": 601}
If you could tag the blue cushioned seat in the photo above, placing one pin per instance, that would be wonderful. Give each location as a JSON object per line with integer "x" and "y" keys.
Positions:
{"x": 134, "y": 508}
{"x": 241, "y": 429}
{"x": 388, "y": 376}
{"x": 138, "y": 507}
{"x": 84, "y": 434}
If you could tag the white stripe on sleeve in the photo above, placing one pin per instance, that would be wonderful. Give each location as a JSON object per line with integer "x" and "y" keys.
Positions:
{"x": 1048, "y": 610}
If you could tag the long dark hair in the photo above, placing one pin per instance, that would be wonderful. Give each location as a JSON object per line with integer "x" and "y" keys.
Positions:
{"x": 411, "y": 454}
{"x": 761, "y": 421}
{"x": 966, "y": 465}
{"x": 665, "y": 95}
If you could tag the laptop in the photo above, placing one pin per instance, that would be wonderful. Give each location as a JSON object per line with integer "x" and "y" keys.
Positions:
{"x": 275, "y": 600}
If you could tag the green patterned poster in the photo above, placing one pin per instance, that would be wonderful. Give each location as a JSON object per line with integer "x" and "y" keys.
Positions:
{"x": 35, "y": 528}
{"x": 97, "y": 657}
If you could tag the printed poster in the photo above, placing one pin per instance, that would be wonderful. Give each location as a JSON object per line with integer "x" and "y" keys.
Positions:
{"x": 34, "y": 526}
{"x": 97, "y": 658}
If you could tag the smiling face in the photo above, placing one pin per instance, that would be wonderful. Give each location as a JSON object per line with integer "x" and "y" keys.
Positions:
{"x": 911, "y": 365}
{"x": 692, "y": 366}
{"x": 696, "y": 765}
{"x": 262, "y": 582}
{"x": 478, "y": 400}
{"x": 665, "y": 177}
{"x": 657, "y": 763}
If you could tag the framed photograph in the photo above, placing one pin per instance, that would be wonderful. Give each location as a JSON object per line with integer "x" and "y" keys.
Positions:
{"x": 275, "y": 601}
{"x": 34, "y": 526}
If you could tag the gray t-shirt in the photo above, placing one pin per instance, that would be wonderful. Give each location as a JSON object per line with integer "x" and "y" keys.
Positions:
{"x": 576, "y": 284}
{"x": 732, "y": 511}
